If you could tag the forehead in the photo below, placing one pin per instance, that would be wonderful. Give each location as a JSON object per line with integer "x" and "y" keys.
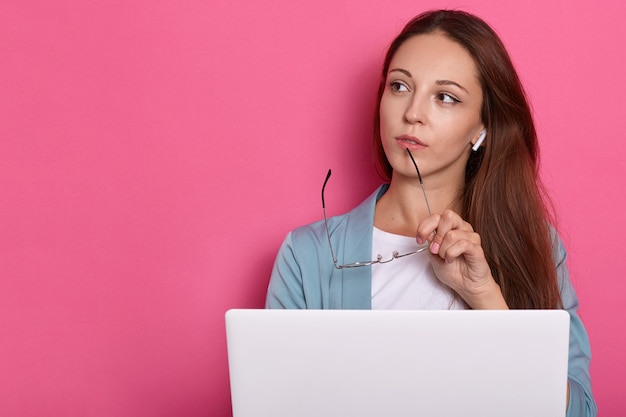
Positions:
{"x": 436, "y": 56}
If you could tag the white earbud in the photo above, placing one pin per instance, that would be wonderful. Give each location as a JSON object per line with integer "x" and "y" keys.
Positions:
{"x": 480, "y": 140}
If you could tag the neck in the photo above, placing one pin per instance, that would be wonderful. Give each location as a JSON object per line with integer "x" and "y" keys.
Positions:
{"x": 401, "y": 209}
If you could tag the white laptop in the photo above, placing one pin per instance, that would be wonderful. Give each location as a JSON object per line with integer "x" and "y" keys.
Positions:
{"x": 357, "y": 363}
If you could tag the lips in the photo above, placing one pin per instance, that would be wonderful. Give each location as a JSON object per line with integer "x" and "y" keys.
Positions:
{"x": 410, "y": 142}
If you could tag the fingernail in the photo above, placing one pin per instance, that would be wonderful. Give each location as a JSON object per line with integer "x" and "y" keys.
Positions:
{"x": 434, "y": 248}
{"x": 419, "y": 240}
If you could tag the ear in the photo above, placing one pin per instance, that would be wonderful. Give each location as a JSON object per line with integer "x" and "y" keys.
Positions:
{"x": 479, "y": 141}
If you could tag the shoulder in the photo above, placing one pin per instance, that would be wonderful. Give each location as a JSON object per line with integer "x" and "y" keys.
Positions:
{"x": 558, "y": 247}
{"x": 363, "y": 213}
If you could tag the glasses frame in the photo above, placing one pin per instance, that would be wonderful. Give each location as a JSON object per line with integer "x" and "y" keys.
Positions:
{"x": 379, "y": 258}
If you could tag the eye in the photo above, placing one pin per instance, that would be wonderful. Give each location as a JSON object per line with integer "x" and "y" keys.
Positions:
{"x": 447, "y": 98}
{"x": 398, "y": 87}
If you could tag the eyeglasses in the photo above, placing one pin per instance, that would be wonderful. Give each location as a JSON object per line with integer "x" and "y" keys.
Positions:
{"x": 379, "y": 258}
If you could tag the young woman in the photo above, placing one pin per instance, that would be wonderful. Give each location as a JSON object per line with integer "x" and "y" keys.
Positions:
{"x": 461, "y": 221}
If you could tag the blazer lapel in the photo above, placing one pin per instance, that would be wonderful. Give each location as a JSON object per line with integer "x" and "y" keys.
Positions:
{"x": 357, "y": 282}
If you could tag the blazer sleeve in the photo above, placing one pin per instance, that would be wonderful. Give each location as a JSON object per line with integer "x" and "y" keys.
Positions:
{"x": 285, "y": 289}
{"x": 581, "y": 402}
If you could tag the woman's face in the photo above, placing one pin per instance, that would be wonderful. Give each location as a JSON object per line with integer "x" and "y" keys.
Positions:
{"x": 431, "y": 105}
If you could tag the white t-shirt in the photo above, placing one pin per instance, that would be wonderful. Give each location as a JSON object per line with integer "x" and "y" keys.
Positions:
{"x": 407, "y": 283}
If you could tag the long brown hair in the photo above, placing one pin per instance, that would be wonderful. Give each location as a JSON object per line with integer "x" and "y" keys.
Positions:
{"x": 504, "y": 199}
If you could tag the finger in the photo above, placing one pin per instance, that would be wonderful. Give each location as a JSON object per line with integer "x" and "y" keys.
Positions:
{"x": 426, "y": 229}
{"x": 461, "y": 244}
{"x": 456, "y": 235}
{"x": 449, "y": 221}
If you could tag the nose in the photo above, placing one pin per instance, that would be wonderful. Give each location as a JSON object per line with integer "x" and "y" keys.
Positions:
{"x": 417, "y": 109}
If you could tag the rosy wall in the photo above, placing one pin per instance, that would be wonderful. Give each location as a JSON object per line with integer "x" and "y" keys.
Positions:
{"x": 153, "y": 154}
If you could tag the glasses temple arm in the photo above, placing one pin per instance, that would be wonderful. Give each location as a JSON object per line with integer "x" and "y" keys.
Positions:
{"x": 419, "y": 176}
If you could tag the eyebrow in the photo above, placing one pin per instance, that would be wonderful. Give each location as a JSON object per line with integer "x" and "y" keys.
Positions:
{"x": 449, "y": 82}
{"x": 438, "y": 82}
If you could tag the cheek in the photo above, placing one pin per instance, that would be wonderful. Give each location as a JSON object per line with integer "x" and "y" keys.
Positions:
{"x": 383, "y": 126}
{"x": 386, "y": 115}
{"x": 459, "y": 129}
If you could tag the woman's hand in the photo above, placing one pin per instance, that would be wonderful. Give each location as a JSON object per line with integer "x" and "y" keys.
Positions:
{"x": 459, "y": 261}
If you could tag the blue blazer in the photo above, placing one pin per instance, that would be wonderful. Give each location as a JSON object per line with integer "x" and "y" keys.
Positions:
{"x": 304, "y": 277}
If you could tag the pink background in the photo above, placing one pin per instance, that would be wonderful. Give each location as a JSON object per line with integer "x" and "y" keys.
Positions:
{"x": 153, "y": 154}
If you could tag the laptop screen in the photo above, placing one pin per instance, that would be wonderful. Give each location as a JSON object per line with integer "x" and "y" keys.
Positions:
{"x": 331, "y": 363}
